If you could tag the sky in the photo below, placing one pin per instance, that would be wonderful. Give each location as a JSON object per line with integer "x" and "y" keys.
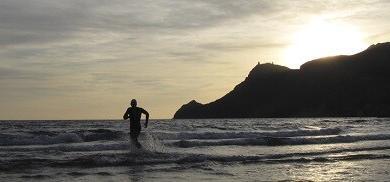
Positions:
{"x": 72, "y": 59}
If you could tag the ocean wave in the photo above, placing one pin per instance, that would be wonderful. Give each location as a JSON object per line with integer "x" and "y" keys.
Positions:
{"x": 50, "y": 138}
{"x": 75, "y": 147}
{"x": 100, "y": 134}
{"x": 272, "y": 141}
{"x": 40, "y": 139}
{"x": 150, "y": 143}
{"x": 78, "y": 136}
{"x": 36, "y": 177}
{"x": 153, "y": 158}
{"x": 247, "y": 134}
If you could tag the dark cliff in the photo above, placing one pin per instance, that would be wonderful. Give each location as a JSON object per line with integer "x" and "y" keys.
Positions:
{"x": 339, "y": 86}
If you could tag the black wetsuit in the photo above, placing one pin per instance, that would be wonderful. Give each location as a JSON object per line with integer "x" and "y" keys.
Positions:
{"x": 134, "y": 113}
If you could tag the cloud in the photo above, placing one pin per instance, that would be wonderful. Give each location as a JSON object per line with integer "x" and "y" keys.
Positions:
{"x": 80, "y": 52}
{"x": 39, "y": 21}
{"x": 21, "y": 74}
{"x": 226, "y": 46}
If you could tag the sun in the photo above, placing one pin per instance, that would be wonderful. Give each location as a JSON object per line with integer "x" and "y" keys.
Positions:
{"x": 321, "y": 38}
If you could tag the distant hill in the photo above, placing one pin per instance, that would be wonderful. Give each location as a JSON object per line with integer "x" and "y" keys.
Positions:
{"x": 339, "y": 86}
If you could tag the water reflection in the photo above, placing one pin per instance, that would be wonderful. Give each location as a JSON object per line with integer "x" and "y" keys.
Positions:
{"x": 333, "y": 171}
{"x": 136, "y": 173}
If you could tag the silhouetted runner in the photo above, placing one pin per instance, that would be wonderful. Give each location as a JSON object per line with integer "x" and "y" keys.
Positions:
{"x": 134, "y": 113}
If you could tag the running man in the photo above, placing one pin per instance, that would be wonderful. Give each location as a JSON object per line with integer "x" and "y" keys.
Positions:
{"x": 134, "y": 113}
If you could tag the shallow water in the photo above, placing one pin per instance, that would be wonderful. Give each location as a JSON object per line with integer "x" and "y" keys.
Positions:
{"x": 300, "y": 149}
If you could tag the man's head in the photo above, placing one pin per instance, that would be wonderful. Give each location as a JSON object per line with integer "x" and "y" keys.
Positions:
{"x": 133, "y": 103}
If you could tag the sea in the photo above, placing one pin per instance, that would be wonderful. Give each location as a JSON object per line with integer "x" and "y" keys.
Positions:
{"x": 294, "y": 149}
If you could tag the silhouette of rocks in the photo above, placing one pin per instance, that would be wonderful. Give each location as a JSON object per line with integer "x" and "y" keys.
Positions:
{"x": 338, "y": 86}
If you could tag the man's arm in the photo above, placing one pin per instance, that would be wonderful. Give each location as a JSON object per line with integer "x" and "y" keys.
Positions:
{"x": 147, "y": 117}
{"x": 126, "y": 115}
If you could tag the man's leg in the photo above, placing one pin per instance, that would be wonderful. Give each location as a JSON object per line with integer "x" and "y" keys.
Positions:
{"x": 134, "y": 137}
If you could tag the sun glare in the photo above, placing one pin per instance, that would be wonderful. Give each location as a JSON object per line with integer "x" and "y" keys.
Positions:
{"x": 320, "y": 39}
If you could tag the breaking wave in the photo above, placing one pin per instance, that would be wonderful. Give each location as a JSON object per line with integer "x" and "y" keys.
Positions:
{"x": 153, "y": 158}
{"x": 50, "y": 138}
{"x": 271, "y": 141}
{"x": 248, "y": 134}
